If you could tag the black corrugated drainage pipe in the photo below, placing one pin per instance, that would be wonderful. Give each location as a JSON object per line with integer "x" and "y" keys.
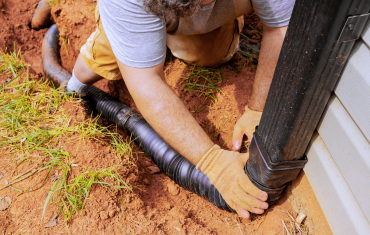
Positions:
{"x": 166, "y": 158}
{"x": 42, "y": 17}
{"x": 319, "y": 39}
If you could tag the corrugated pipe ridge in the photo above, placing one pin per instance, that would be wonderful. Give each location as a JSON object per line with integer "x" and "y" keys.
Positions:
{"x": 166, "y": 158}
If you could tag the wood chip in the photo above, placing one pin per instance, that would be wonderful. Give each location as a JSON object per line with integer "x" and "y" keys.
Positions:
{"x": 153, "y": 169}
{"x": 300, "y": 218}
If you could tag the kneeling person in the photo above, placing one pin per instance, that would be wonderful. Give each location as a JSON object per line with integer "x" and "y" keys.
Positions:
{"x": 130, "y": 42}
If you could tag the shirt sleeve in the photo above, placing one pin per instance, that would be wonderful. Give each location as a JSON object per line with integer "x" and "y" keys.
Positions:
{"x": 137, "y": 38}
{"x": 274, "y": 13}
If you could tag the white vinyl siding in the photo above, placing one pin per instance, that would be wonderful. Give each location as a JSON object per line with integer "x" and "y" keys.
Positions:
{"x": 339, "y": 153}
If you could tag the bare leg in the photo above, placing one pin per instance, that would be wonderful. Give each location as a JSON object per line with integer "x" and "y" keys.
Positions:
{"x": 84, "y": 74}
{"x": 272, "y": 41}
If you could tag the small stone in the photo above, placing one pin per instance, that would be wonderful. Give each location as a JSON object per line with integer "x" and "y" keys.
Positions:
{"x": 54, "y": 178}
{"x": 178, "y": 229}
{"x": 300, "y": 218}
{"x": 1, "y": 176}
{"x": 153, "y": 169}
{"x": 104, "y": 215}
{"x": 173, "y": 189}
{"x": 6, "y": 182}
{"x": 111, "y": 213}
{"x": 52, "y": 222}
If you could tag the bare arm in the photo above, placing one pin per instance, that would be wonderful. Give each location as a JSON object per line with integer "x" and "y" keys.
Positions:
{"x": 272, "y": 41}
{"x": 165, "y": 112}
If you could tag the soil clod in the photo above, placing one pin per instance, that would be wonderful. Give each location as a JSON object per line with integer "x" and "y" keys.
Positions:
{"x": 104, "y": 215}
{"x": 5, "y": 203}
{"x": 173, "y": 189}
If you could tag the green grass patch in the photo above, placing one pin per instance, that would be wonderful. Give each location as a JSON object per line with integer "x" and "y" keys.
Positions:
{"x": 71, "y": 196}
{"x": 33, "y": 128}
{"x": 205, "y": 81}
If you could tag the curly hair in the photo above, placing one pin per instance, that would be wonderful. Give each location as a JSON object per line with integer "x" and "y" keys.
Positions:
{"x": 172, "y": 8}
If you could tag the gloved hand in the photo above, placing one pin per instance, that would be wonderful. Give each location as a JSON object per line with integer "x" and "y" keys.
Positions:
{"x": 225, "y": 169}
{"x": 246, "y": 125}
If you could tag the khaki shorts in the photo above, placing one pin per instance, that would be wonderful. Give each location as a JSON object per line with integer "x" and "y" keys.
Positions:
{"x": 210, "y": 49}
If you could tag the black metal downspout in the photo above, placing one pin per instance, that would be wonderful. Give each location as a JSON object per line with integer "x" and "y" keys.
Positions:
{"x": 166, "y": 158}
{"x": 320, "y": 36}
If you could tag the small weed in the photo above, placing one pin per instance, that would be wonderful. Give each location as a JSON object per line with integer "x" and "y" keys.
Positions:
{"x": 254, "y": 30}
{"x": 71, "y": 195}
{"x": 198, "y": 110}
{"x": 65, "y": 41}
{"x": 204, "y": 81}
{"x": 292, "y": 227}
{"x": 10, "y": 65}
{"x": 53, "y": 2}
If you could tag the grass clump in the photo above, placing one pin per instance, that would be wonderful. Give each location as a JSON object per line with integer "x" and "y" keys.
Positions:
{"x": 204, "y": 81}
{"x": 33, "y": 128}
{"x": 292, "y": 226}
{"x": 72, "y": 195}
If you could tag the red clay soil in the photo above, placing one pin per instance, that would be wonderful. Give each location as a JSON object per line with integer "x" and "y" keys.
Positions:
{"x": 158, "y": 205}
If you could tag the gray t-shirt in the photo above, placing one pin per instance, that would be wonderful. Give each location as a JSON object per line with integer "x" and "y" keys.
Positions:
{"x": 138, "y": 38}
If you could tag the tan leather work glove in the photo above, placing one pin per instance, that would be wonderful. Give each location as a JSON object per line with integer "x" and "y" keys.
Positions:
{"x": 246, "y": 125}
{"x": 225, "y": 169}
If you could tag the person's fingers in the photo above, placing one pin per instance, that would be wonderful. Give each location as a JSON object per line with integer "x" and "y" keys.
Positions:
{"x": 256, "y": 210}
{"x": 263, "y": 196}
{"x": 237, "y": 137}
{"x": 246, "y": 199}
{"x": 249, "y": 187}
{"x": 241, "y": 203}
{"x": 261, "y": 204}
{"x": 242, "y": 212}
{"x": 250, "y": 200}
